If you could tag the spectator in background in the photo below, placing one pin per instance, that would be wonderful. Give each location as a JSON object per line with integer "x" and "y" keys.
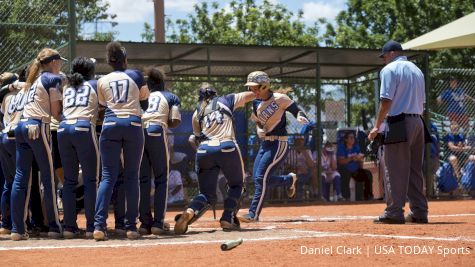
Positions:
{"x": 459, "y": 150}
{"x": 330, "y": 175}
{"x": 454, "y": 97}
{"x": 176, "y": 193}
{"x": 350, "y": 166}
{"x": 300, "y": 158}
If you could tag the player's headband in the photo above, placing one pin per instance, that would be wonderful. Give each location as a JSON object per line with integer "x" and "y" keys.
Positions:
{"x": 51, "y": 58}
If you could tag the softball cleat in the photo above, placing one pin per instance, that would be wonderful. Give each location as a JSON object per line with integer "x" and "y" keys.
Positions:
{"x": 99, "y": 235}
{"x": 161, "y": 230}
{"x": 18, "y": 237}
{"x": 182, "y": 222}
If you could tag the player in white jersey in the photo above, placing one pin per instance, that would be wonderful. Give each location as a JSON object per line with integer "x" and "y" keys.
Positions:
{"x": 77, "y": 143}
{"x": 8, "y": 96}
{"x": 163, "y": 111}
{"x": 269, "y": 114}
{"x": 42, "y": 99}
{"x": 213, "y": 131}
{"x": 120, "y": 92}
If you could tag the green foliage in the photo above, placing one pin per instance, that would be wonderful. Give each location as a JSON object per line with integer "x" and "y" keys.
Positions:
{"x": 244, "y": 23}
{"x": 147, "y": 35}
{"x": 370, "y": 23}
{"x": 26, "y": 26}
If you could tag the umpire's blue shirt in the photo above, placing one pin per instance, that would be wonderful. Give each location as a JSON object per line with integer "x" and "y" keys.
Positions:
{"x": 402, "y": 82}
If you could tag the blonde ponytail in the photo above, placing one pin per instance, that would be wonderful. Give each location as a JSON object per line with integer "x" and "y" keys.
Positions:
{"x": 36, "y": 65}
{"x": 33, "y": 71}
{"x": 284, "y": 90}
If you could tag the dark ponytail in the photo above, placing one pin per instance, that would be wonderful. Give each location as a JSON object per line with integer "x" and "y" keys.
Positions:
{"x": 116, "y": 56}
{"x": 155, "y": 79}
{"x": 83, "y": 69}
{"x": 75, "y": 79}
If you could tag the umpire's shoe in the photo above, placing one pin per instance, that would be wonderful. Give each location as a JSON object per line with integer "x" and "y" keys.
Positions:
{"x": 411, "y": 219}
{"x": 387, "y": 220}
{"x": 292, "y": 189}
{"x": 181, "y": 225}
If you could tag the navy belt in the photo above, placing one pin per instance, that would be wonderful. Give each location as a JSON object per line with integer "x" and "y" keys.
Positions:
{"x": 412, "y": 115}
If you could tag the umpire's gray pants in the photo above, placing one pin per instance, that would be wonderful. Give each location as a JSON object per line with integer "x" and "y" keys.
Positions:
{"x": 404, "y": 172}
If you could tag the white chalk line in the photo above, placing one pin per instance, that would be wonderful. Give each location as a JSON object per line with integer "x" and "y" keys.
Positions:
{"x": 306, "y": 234}
{"x": 308, "y": 218}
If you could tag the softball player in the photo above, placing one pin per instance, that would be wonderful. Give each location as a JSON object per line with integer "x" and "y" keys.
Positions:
{"x": 213, "y": 125}
{"x": 42, "y": 99}
{"x": 163, "y": 111}
{"x": 269, "y": 114}
{"x": 120, "y": 92}
{"x": 77, "y": 143}
{"x": 7, "y": 146}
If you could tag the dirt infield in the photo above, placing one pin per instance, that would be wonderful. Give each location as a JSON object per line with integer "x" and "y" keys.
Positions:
{"x": 285, "y": 236}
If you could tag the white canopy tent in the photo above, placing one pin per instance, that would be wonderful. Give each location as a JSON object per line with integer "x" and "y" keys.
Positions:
{"x": 457, "y": 34}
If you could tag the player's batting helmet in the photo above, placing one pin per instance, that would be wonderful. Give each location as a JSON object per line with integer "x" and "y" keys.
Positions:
{"x": 258, "y": 78}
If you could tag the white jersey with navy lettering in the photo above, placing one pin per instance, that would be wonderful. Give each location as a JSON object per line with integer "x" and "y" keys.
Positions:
{"x": 269, "y": 114}
{"x": 81, "y": 102}
{"x": 11, "y": 116}
{"x": 218, "y": 125}
{"x": 121, "y": 92}
{"x": 39, "y": 96}
{"x": 160, "y": 106}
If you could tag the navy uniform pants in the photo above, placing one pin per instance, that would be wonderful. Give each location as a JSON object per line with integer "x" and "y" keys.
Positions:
{"x": 156, "y": 157}
{"x": 8, "y": 150}
{"x": 211, "y": 159}
{"x": 270, "y": 156}
{"x": 77, "y": 143}
{"x": 25, "y": 150}
{"x": 120, "y": 134}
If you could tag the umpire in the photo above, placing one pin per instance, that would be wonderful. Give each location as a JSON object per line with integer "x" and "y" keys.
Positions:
{"x": 402, "y": 98}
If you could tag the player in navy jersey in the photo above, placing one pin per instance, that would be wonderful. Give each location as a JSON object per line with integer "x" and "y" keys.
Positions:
{"x": 269, "y": 114}
{"x": 120, "y": 92}
{"x": 163, "y": 111}
{"x": 78, "y": 143}
{"x": 41, "y": 100}
{"x": 213, "y": 133}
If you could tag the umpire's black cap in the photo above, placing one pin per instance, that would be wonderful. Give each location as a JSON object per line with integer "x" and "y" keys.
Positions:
{"x": 391, "y": 45}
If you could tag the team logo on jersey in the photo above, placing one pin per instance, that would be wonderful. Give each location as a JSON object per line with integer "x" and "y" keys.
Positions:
{"x": 268, "y": 112}
{"x": 216, "y": 116}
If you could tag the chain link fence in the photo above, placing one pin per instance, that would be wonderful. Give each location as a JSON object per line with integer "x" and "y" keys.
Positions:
{"x": 27, "y": 26}
{"x": 453, "y": 127}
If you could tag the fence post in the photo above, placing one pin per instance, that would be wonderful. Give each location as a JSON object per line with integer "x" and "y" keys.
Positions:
{"x": 72, "y": 31}
{"x": 319, "y": 126}
{"x": 348, "y": 104}
{"x": 428, "y": 176}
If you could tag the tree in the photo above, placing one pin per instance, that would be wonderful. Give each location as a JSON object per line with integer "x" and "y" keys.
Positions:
{"x": 26, "y": 26}
{"x": 370, "y": 23}
{"x": 244, "y": 23}
{"x": 148, "y": 34}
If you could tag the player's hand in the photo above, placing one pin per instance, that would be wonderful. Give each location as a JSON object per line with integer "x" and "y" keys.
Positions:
{"x": 373, "y": 133}
{"x": 33, "y": 131}
{"x": 302, "y": 120}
